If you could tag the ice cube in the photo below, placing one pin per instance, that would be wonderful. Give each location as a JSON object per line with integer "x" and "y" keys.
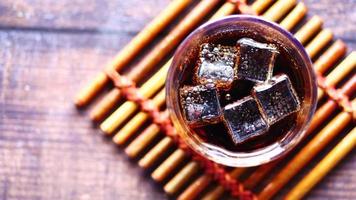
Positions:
{"x": 216, "y": 65}
{"x": 277, "y": 98}
{"x": 200, "y": 104}
{"x": 244, "y": 120}
{"x": 255, "y": 60}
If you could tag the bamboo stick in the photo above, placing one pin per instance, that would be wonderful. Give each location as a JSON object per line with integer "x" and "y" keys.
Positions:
{"x": 330, "y": 56}
{"x": 344, "y": 147}
{"x": 342, "y": 70}
{"x": 195, "y": 188}
{"x": 105, "y": 105}
{"x": 142, "y": 140}
{"x": 155, "y": 153}
{"x": 133, "y": 48}
{"x": 181, "y": 178}
{"x": 137, "y": 121}
{"x": 339, "y": 72}
{"x": 226, "y": 9}
{"x": 168, "y": 165}
{"x": 160, "y": 51}
{"x": 309, "y": 29}
{"x": 278, "y": 9}
{"x": 330, "y": 131}
{"x": 260, "y": 5}
{"x": 318, "y": 43}
{"x": 259, "y": 174}
{"x": 219, "y": 190}
{"x": 294, "y": 17}
{"x": 128, "y": 108}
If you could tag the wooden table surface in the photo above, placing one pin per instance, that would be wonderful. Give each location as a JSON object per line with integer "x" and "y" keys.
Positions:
{"x": 48, "y": 51}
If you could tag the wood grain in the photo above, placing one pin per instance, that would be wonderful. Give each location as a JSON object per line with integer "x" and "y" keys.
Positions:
{"x": 50, "y": 150}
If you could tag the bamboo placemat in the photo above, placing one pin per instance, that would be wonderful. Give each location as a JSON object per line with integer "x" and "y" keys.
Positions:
{"x": 138, "y": 124}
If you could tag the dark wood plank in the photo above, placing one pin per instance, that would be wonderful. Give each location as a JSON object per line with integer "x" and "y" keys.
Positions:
{"x": 48, "y": 149}
{"x": 339, "y": 16}
{"x": 83, "y": 15}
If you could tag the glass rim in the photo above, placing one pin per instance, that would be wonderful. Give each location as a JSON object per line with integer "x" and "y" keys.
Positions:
{"x": 261, "y": 155}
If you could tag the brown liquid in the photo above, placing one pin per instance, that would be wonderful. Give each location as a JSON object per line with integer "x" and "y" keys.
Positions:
{"x": 217, "y": 133}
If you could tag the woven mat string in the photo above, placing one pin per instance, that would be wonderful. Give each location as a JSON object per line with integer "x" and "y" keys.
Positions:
{"x": 336, "y": 95}
{"x": 242, "y": 7}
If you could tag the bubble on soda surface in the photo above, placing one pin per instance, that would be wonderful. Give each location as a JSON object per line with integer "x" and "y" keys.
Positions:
{"x": 277, "y": 98}
{"x": 216, "y": 64}
{"x": 255, "y": 60}
{"x": 200, "y": 104}
{"x": 239, "y": 90}
{"x": 227, "y": 97}
{"x": 244, "y": 120}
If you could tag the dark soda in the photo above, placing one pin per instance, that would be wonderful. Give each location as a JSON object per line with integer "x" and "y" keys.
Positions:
{"x": 216, "y": 133}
